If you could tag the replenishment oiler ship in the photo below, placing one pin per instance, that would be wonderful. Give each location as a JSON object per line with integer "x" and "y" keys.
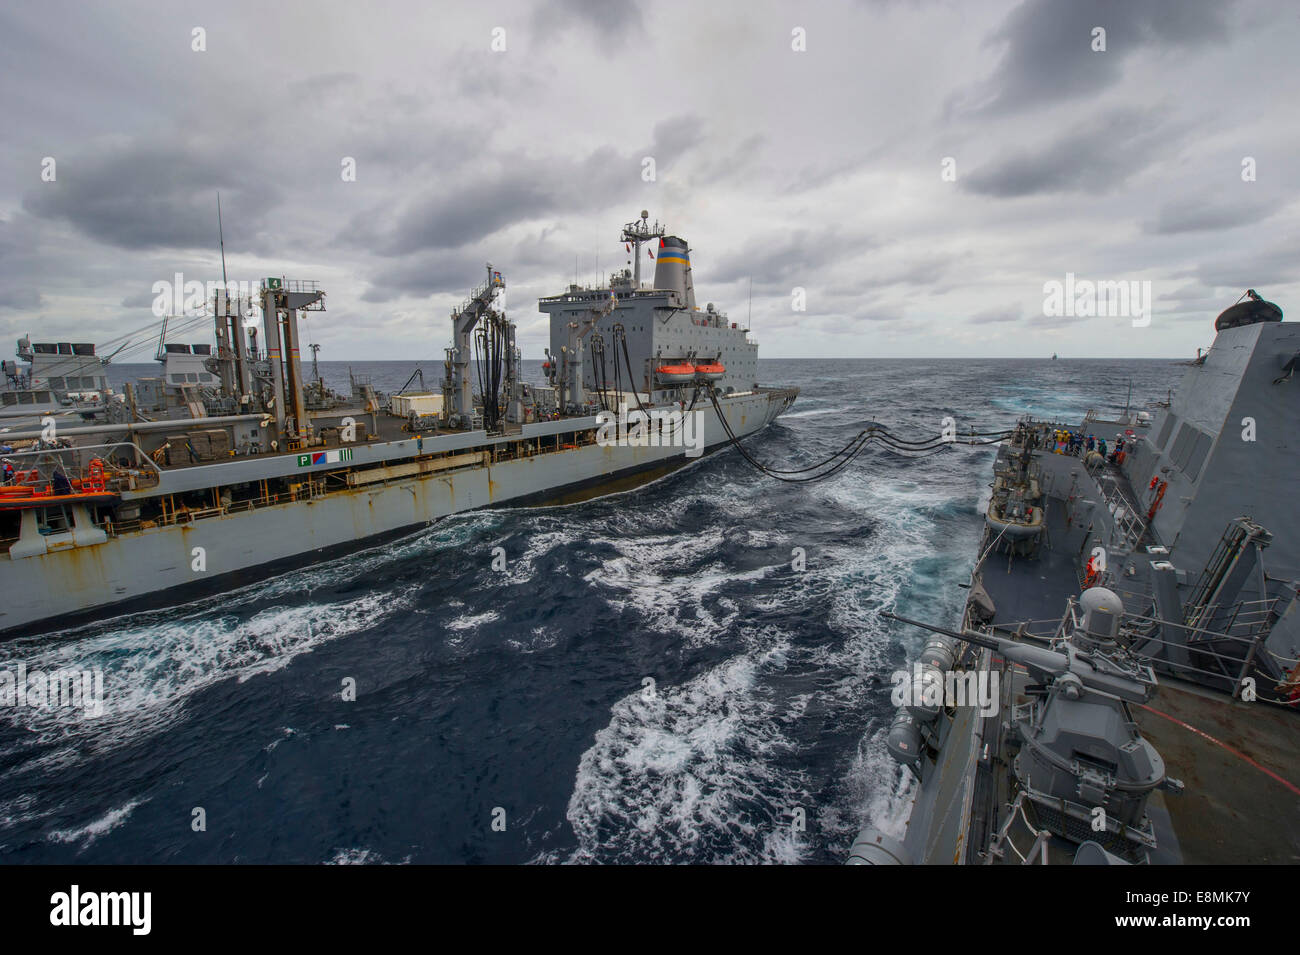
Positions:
{"x": 1124, "y": 683}
{"x": 233, "y": 465}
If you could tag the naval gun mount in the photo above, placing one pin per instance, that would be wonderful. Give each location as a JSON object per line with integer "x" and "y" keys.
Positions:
{"x": 1082, "y": 763}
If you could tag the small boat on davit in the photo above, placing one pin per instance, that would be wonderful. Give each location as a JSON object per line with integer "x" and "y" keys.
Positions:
{"x": 31, "y": 489}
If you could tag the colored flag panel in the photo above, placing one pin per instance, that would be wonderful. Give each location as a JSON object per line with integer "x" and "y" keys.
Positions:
{"x": 325, "y": 457}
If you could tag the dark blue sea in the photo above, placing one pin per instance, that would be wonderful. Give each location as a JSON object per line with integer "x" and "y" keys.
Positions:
{"x": 522, "y": 696}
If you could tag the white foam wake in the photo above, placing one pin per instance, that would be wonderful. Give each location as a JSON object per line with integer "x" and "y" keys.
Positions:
{"x": 683, "y": 772}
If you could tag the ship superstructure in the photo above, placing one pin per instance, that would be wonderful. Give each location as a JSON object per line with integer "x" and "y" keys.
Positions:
{"x": 650, "y": 340}
{"x": 236, "y": 462}
{"x": 53, "y": 376}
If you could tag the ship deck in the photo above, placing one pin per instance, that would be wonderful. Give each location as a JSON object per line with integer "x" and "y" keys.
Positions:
{"x": 384, "y": 428}
{"x": 1238, "y": 760}
{"x": 379, "y": 428}
{"x": 1034, "y": 590}
{"x": 1239, "y": 806}
{"x": 1241, "y": 803}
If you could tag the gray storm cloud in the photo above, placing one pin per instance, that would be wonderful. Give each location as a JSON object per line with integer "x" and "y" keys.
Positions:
{"x": 821, "y": 169}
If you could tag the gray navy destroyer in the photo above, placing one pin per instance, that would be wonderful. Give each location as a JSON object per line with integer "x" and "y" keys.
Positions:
{"x": 235, "y": 463}
{"x": 1134, "y": 620}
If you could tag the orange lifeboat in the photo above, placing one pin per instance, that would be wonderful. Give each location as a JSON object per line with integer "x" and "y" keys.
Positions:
{"x": 710, "y": 371}
{"x": 16, "y": 498}
{"x": 675, "y": 373}
{"x": 89, "y": 490}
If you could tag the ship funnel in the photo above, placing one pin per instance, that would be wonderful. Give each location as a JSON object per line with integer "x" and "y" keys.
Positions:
{"x": 673, "y": 268}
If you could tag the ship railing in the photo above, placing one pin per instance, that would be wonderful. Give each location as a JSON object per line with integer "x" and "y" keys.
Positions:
{"x": 1069, "y": 621}
{"x": 173, "y": 513}
{"x": 125, "y": 466}
{"x": 1044, "y": 630}
{"x": 1250, "y": 623}
{"x": 1246, "y": 615}
{"x": 480, "y": 296}
{"x": 297, "y": 285}
{"x": 1131, "y": 526}
{"x": 1036, "y": 854}
{"x": 1092, "y": 414}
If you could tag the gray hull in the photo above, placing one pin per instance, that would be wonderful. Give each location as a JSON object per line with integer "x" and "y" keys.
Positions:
{"x": 155, "y": 566}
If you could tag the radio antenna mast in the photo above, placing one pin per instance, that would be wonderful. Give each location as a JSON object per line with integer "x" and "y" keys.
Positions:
{"x": 221, "y": 232}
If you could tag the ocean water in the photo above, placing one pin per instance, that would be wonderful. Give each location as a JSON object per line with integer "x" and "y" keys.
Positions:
{"x": 648, "y": 681}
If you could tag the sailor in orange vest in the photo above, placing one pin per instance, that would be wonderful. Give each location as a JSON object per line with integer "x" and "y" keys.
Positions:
{"x": 1094, "y": 571}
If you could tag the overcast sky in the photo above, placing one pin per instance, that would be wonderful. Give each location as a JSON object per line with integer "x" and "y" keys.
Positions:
{"x": 820, "y": 169}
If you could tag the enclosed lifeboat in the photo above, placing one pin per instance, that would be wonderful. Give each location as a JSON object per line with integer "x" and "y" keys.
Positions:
{"x": 675, "y": 373}
{"x": 710, "y": 371}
